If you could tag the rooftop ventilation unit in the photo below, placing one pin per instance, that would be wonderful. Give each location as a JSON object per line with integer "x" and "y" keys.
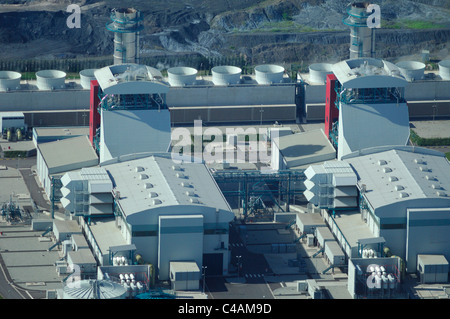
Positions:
{"x": 186, "y": 184}
{"x": 143, "y": 176}
{"x": 393, "y": 178}
{"x": 176, "y": 168}
{"x": 9, "y": 80}
{"x": 139, "y": 169}
{"x": 411, "y": 70}
{"x": 399, "y": 188}
{"x": 419, "y": 161}
{"x": 382, "y": 162}
{"x": 424, "y": 169}
{"x": 180, "y": 175}
{"x": 226, "y": 75}
{"x": 430, "y": 178}
{"x": 387, "y": 170}
{"x": 190, "y": 193}
{"x": 444, "y": 69}
{"x": 153, "y": 194}
{"x": 441, "y": 194}
{"x": 436, "y": 186}
{"x": 156, "y": 202}
{"x": 403, "y": 195}
{"x": 148, "y": 185}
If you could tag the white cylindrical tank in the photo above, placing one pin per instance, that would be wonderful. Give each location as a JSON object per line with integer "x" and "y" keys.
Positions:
{"x": 411, "y": 70}
{"x": 269, "y": 74}
{"x": 444, "y": 69}
{"x": 86, "y": 76}
{"x": 50, "y": 79}
{"x": 93, "y": 289}
{"x": 9, "y": 80}
{"x": 318, "y": 72}
{"x": 226, "y": 75}
{"x": 182, "y": 76}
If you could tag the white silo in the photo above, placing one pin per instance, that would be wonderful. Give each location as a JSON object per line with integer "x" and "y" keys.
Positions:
{"x": 411, "y": 70}
{"x": 9, "y": 80}
{"x": 318, "y": 72}
{"x": 86, "y": 76}
{"x": 269, "y": 74}
{"x": 94, "y": 289}
{"x": 182, "y": 76}
{"x": 50, "y": 79}
{"x": 226, "y": 75}
{"x": 444, "y": 69}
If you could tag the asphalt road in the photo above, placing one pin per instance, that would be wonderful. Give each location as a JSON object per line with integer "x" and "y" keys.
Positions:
{"x": 248, "y": 282}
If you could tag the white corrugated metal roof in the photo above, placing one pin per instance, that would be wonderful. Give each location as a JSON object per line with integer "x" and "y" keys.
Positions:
{"x": 167, "y": 184}
{"x": 405, "y": 166}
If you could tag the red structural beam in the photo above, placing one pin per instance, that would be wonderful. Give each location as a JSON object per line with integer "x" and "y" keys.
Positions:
{"x": 331, "y": 111}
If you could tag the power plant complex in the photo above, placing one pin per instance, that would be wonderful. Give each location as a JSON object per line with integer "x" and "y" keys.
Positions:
{"x": 129, "y": 213}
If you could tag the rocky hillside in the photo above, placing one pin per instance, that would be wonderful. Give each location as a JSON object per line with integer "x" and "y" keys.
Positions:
{"x": 258, "y": 31}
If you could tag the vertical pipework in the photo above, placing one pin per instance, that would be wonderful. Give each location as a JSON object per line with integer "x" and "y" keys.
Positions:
{"x": 126, "y": 25}
{"x": 361, "y": 36}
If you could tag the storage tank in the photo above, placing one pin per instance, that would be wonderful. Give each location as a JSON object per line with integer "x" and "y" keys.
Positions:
{"x": 269, "y": 73}
{"x": 181, "y": 76}
{"x": 9, "y": 80}
{"x": 86, "y": 76}
{"x": 50, "y": 79}
{"x": 226, "y": 75}
{"x": 94, "y": 289}
{"x": 318, "y": 72}
{"x": 444, "y": 69}
{"x": 411, "y": 70}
